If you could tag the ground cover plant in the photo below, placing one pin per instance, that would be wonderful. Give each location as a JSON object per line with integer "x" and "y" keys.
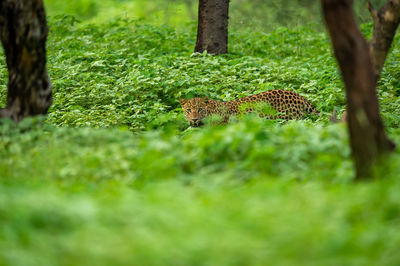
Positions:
{"x": 114, "y": 175}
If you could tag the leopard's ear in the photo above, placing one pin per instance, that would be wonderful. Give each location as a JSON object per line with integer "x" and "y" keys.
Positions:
{"x": 183, "y": 101}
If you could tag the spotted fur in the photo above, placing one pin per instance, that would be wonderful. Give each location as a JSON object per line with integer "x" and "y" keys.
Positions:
{"x": 288, "y": 105}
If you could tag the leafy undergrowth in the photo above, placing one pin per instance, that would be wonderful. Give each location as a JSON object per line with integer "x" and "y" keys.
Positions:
{"x": 130, "y": 74}
{"x": 114, "y": 176}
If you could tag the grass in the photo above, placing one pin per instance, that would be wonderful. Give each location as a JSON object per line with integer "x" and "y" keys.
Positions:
{"x": 114, "y": 175}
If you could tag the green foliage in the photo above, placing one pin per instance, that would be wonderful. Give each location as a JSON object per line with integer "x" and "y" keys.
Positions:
{"x": 253, "y": 191}
{"x": 260, "y": 108}
{"x": 129, "y": 74}
{"x": 114, "y": 176}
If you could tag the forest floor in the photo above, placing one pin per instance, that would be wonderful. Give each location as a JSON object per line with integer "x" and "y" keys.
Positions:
{"x": 114, "y": 175}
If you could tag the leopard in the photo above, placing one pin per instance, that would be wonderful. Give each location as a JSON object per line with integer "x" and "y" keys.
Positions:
{"x": 286, "y": 104}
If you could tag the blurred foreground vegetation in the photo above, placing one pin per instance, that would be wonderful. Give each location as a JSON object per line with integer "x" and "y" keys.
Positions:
{"x": 114, "y": 176}
{"x": 243, "y": 194}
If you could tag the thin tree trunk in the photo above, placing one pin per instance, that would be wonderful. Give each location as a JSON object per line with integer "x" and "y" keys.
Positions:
{"x": 212, "y": 31}
{"x": 23, "y": 32}
{"x": 367, "y": 136}
{"x": 386, "y": 20}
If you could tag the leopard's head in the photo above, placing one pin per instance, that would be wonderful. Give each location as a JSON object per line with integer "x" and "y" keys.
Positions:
{"x": 195, "y": 110}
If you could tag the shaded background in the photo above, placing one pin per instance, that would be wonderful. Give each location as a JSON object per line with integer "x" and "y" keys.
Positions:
{"x": 259, "y": 15}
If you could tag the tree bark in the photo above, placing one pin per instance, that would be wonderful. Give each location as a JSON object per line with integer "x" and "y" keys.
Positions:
{"x": 367, "y": 136}
{"x": 23, "y": 33}
{"x": 386, "y": 20}
{"x": 212, "y": 31}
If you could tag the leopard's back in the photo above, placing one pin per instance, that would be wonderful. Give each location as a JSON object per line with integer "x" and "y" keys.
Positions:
{"x": 288, "y": 104}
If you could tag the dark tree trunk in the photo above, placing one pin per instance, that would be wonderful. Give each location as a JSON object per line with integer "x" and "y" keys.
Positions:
{"x": 386, "y": 20}
{"x": 212, "y": 31}
{"x": 23, "y": 32}
{"x": 367, "y": 136}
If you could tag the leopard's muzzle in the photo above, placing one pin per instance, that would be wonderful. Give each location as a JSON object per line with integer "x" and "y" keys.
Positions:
{"x": 196, "y": 123}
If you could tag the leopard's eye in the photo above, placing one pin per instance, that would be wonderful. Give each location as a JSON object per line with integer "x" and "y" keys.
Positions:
{"x": 189, "y": 111}
{"x": 200, "y": 109}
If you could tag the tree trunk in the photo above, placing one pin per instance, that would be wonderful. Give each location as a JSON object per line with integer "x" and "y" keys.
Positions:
{"x": 367, "y": 137}
{"x": 212, "y": 31}
{"x": 23, "y": 32}
{"x": 386, "y": 20}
